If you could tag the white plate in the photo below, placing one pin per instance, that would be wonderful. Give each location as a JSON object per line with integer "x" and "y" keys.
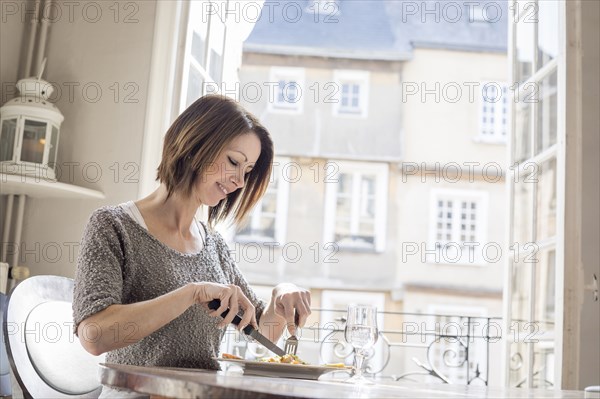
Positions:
{"x": 266, "y": 369}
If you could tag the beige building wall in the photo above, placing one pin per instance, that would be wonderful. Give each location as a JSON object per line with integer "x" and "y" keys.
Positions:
{"x": 315, "y": 267}
{"x": 316, "y": 131}
{"x": 414, "y": 215}
{"x": 441, "y": 119}
{"x": 441, "y": 127}
{"x": 314, "y": 137}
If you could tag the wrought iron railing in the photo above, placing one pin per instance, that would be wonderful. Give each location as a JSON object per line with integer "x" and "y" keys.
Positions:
{"x": 451, "y": 349}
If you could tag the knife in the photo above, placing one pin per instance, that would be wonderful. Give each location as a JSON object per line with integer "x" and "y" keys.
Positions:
{"x": 248, "y": 330}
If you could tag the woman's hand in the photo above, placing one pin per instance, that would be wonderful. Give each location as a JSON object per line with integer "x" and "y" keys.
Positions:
{"x": 289, "y": 299}
{"x": 231, "y": 297}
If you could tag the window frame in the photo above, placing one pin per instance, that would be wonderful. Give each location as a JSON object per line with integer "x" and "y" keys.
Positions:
{"x": 169, "y": 71}
{"x": 481, "y": 197}
{"x": 216, "y": 32}
{"x": 360, "y": 77}
{"x": 287, "y": 74}
{"x": 501, "y": 112}
{"x": 381, "y": 172}
{"x": 281, "y": 212}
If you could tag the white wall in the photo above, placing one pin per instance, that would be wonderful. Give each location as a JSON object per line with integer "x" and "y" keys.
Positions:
{"x": 101, "y": 133}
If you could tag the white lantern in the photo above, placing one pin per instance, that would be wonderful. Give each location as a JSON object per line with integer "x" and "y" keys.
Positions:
{"x": 30, "y": 127}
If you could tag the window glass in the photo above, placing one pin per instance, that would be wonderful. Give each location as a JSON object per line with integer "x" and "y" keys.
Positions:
{"x": 547, "y": 45}
{"x": 7, "y": 139}
{"x": 545, "y": 135}
{"x": 34, "y": 139}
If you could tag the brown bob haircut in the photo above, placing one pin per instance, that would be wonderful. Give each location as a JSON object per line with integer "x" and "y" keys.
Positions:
{"x": 195, "y": 140}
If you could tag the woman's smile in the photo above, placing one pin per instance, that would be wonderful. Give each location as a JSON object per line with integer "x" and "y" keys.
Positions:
{"x": 223, "y": 189}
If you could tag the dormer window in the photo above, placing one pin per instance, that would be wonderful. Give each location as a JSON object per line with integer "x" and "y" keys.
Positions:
{"x": 325, "y": 7}
{"x": 484, "y": 12}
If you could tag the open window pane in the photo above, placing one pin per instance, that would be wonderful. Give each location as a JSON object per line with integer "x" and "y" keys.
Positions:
{"x": 522, "y": 144}
{"x": 546, "y": 200}
{"x": 194, "y": 89}
{"x": 545, "y": 285}
{"x": 546, "y": 114}
{"x": 523, "y": 212}
{"x": 547, "y": 32}
{"x": 524, "y": 44}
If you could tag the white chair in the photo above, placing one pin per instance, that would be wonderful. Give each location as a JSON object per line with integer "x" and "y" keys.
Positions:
{"x": 592, "y": 392}
{"x": 5, "y": 383}
{"x": 46, "y": 357}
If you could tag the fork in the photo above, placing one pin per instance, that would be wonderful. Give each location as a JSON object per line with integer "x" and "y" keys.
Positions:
{"x": 291, "y": 344}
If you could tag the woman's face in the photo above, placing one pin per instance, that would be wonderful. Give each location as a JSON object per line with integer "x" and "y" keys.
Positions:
{"x": 228, "y": 173}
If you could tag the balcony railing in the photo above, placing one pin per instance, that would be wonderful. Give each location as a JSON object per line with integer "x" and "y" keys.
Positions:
{"x": 451, "y": 349}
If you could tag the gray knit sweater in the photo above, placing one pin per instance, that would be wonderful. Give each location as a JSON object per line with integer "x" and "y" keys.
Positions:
{"x": 120, "y": 262}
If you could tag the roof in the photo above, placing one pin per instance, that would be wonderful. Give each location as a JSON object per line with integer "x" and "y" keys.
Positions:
{"x": 451, "y": 26}
{"x": 376, "y": 29}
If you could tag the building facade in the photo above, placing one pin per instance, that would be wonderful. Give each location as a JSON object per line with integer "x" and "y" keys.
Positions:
{"x": 388, "y": 185}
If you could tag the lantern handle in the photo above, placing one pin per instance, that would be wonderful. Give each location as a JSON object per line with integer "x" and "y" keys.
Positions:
{"x": 42, "y": 67}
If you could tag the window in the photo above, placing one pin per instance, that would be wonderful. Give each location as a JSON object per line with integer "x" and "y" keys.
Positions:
{"x": 493, "y": 112}
{"x": 195, "y": 51}
{"x": 538, "y": 206}
{"x": 480, "y": 14}
{"x": 268, "y": 220}
{"x": 325, "y": 7}
{"x": 356, "y": 205}
{"x": 287, "y": 97}
{"x": 352, "y": 93}
{"x": 458, "y": 226}
{"x": 203, "y": 58}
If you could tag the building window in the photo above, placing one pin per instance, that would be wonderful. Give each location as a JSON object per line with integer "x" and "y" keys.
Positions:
{"x": 288, "y": 90}
{"x": 268, "y": 219}
{"x": 458, "y": 226}
{"x": 324, "y": 7}
{"x": 352, "y": 93}
{"x": 478, "y": 13}
{"x": 493, "y": 112}
{"x": 356, "y": 204}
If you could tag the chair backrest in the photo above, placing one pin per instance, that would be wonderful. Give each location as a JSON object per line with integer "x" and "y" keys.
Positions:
{"x": 5, "y": 381}
{"x": 46, "y": 357}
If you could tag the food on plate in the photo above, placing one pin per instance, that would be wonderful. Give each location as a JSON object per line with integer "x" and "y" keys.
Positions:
{"x": 285, "y": 359}
{"x": 230, "y": 356}
{"x": 338, "y": 365}
{"x": 289, "y": 359}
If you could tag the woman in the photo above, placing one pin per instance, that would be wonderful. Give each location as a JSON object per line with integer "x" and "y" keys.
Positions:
{"x": 147, "y": 269}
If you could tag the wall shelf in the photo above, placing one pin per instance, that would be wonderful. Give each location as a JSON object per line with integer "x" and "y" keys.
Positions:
{"x": 39, "y": 188}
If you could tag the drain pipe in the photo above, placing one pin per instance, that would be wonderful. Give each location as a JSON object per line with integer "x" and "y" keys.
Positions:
{"x": 32, "y": 36}
{"x": 7, "y": 225}
{"x": 41, "y": 45}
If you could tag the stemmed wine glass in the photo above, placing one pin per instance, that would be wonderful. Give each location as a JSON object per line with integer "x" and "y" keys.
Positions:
{"x": 361, "y": 333}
